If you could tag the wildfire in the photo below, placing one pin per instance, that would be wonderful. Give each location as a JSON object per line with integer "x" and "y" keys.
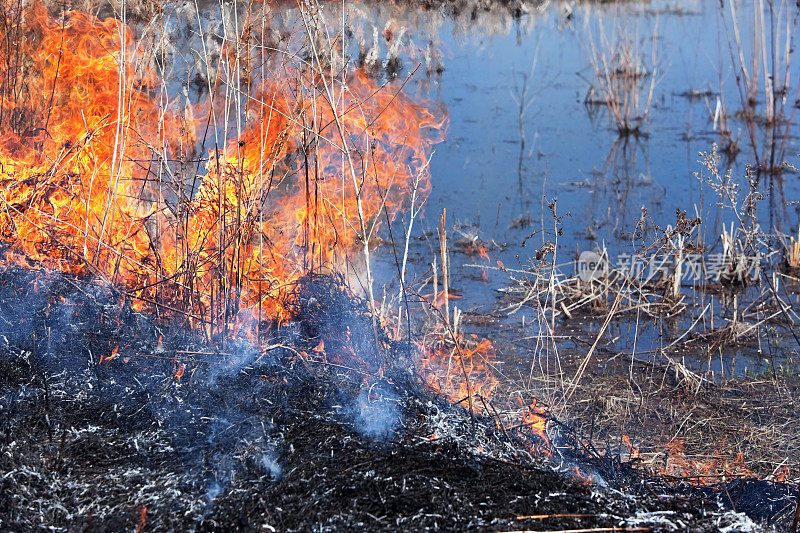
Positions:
{"x": 91, "y": 185}
{"x": 534, "y": 419}
{"x": 701, "y": 471}
{"x": 460, "y": 372}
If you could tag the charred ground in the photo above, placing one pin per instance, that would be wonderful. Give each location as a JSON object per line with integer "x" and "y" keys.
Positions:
{"x": 261, "y": 438}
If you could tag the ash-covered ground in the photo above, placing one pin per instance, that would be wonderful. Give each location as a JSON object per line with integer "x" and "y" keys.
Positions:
{"x": 265, "y": 438}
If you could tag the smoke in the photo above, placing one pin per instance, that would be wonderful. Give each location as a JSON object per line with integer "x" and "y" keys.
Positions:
{"x": 80, "y": 345}
{"x": 271, "y": 465}
{"x": 376, "y": 412}
{"x": 240, "y": 354}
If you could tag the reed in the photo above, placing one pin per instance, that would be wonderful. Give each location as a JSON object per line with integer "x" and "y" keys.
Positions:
{"x": 760, "y": 47}
{"x": 205, "y": 204}
{"x": 626, "y": 76}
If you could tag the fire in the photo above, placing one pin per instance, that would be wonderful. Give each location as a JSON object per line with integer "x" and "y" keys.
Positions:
{"x": 701, "y": 471}
{"x": 582, "y": 478}
{"x": 534, "y": 418}
{"x": 90, "y": 186}
{"x": 141, "y": 523}
{"x": 781, "y": 474}
{"x": 633, "y": 451}
{"x": 109, "y": 357}
{"x": 462, "y": 372}
{"x": 439, "y": 298}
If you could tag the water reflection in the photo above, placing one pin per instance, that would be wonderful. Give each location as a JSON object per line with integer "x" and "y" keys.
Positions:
{"x": 625, "y": 169}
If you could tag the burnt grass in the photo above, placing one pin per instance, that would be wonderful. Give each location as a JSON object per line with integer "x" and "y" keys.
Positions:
{"x": 267, "y": 437}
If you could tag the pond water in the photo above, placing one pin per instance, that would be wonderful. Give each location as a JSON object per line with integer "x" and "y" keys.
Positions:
{"x": 524, "y": 131}
{"x": 487, "y": 177}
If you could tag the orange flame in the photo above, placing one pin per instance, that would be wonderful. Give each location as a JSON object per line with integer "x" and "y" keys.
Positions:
{"x": 633, "y": 452}
{"x": 82, "y": 166}
{"x": 535, "y": 418}
{"x": 109, "y": 357}
{"x": 141, "y": 522}
{"x": 701, "y": 471}
{"x": 454, "y": 372}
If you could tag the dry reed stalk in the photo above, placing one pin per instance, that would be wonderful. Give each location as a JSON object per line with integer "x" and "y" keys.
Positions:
{"x": 618, "y": 64}
{"x": 414, "y": 211}
{"x": 793, "y": 251}
{"x": 764, "y": 66}
{"x": 445, "y": 264}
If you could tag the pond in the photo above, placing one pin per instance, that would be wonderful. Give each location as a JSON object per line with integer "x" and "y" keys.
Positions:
{"x": 528, "y": 128}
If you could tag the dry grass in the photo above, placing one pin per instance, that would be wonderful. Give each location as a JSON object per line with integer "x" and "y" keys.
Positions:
{"x": 657, "y": 408}
{"x": 674, "y": 389}
{"x": 626, "y": 77}
{"x": 213, "y": 160}
{"x": 761, "y": 51}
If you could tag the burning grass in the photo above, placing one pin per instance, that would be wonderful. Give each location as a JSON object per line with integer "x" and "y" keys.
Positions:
{"x": 204, "y": 210}
{"x": 179, "y": 317}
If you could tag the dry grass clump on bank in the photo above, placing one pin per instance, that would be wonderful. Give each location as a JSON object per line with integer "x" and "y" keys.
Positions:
{"x": 646, "y": 357}
{"x": 737, "y": 284}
